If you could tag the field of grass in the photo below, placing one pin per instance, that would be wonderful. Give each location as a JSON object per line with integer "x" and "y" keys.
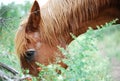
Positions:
{"x": 88, "y": 56}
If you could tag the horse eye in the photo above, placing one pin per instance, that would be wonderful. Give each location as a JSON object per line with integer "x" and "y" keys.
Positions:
{"x": 29, "y": 55}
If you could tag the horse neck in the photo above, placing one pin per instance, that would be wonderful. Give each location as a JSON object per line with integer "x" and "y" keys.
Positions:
{"x": 61, "y": 18}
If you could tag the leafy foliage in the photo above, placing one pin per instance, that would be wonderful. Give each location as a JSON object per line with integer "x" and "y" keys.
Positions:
{"x": 10, "y": 18}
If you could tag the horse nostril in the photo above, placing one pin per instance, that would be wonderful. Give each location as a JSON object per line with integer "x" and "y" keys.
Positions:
{"x": 29, "y": 54}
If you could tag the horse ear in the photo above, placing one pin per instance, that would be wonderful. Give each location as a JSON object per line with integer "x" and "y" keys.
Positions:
{"x": 34, "y": 18}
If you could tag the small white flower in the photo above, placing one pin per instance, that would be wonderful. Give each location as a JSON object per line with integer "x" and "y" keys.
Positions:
{"x": 60, "y": 77}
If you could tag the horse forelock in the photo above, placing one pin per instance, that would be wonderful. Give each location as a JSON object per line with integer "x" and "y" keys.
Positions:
{"x": 21, "y": 39}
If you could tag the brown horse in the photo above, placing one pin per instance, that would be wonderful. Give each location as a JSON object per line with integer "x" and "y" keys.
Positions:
{"x": 44, "y": 29}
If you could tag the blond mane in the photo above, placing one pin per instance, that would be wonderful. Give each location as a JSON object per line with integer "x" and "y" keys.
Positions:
{"x": 62, "y": 17}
